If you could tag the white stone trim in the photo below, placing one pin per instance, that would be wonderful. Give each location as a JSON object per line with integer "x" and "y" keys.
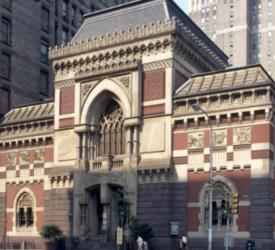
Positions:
{"x": 66, "y": 116}
{"x": 154, "y": 102}
{"x": 106, "y": 85}
{"x": 262, "y": 146}
{"x": 242, "y": 235}
{"x": 180, "y": 153}
{"x": 31, "y": 231}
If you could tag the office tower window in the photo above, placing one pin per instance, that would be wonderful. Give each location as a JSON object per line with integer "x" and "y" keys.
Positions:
{"x": 73, "y": 15}
{"x": 5, "y": 31}
{"x": 65, "y": 35}
{"x": 44, "y": 82}
{"x": 4, "y": 101}
{"x": 65, "y": 10}
{"x": 5, "y": 63}
{"x": 7, "y": 4}
{"x": 56, "y": 33}
{"x": 81, "y": 16}
{"x": 45, "y": 19}
{"x": 44, "y": 49}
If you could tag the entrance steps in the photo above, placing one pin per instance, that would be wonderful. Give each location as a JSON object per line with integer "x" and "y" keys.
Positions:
{"x": 95, "y": 244}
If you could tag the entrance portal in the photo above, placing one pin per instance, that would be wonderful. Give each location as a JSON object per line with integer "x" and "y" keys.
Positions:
{"x": 105, "y": 210}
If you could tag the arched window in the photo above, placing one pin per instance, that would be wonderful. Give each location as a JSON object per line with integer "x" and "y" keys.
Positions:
{"x": 25, "y": 211}
{"x": 111, "y": 131}
{"x": 221, "y": 196}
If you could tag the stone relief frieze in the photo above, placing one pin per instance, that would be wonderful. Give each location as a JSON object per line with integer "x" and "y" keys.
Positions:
{"x": 242, "y": 135}
{"x": 39, "y": 155}
{"x": 24, "y": 157}
{"x": 11, "y": 159}
{"x": 220, "y": 138}
{"x": 195, "y": 140}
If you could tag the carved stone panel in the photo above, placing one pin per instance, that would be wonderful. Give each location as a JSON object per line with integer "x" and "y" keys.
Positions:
{"x": 11, "y": 159}
{"x": 242, "y": 135}
{"x": 195, "y": 140}
{"x": 39, "y": 155}
{"x": 220, "y": 138}
{"x": 24, "y": 157}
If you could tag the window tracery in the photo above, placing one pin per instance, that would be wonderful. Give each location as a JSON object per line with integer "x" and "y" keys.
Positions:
{"x": 111, "y": 139}
{"x": 24, "y": 211}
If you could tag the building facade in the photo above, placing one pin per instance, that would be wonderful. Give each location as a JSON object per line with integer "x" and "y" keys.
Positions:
{"x": 242, "y": 29}
{"x": 27, "y": 30}
{"x": 121, "y": 123}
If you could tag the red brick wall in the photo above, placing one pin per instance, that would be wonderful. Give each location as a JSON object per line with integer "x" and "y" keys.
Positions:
{"x": 154, "y": 85}
{"x": 261, "y": 133}
{"x": 66, "y": 122}
{"x": 154, "y": 110}
{"x": 230, "y": 136}
{"x": 193, "y": 218}
{"x": 243, "y": 219}
{"x": 179, "y": 141}
{"x": 67, "y": 100}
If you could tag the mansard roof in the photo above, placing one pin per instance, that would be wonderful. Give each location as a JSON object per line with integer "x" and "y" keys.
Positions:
{"x": 30, "y": 112}
{"x": 226, "y": 80}
{"x": 135, "y": 21}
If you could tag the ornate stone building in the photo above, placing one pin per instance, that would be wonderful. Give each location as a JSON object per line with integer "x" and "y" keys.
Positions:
{"x": 121, "y": 123}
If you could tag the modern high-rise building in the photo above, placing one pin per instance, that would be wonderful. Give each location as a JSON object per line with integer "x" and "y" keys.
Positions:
{"x": 27, "y": 29}
{"x": 243, "y": 29}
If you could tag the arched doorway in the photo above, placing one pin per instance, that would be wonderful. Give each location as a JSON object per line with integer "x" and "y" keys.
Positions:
{"x": 106, "y": 209}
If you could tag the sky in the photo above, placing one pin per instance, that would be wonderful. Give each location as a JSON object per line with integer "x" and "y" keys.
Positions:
{"x": 183, "y": 4}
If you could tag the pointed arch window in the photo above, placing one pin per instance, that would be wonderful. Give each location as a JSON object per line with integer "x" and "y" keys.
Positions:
{"x": 24, "y": 210}
{"x": 111, "y": 131}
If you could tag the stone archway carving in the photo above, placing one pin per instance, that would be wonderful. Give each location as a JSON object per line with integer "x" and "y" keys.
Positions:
{"x": 89, "y": 112}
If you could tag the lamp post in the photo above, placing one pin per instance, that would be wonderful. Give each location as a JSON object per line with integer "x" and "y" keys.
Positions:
{"x": 197, "y": 107}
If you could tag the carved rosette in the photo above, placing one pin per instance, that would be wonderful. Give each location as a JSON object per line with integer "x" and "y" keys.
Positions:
{"x": 24, "y": 157}
{"x": 195, "y": 140}
{"x": 220, "y": 138}
{"x": 11, "y": 159}
{"x": 242, "y": 136}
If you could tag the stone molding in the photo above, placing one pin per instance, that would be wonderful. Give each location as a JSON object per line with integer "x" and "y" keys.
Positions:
{"x": 145, "y": 31}
{"x": 158, "y": 65}
{"x": 155, "y": 176}
{"x": 64, "y": 83}
{"x": 170, "y": 26}
{"x": 103, "y": 68}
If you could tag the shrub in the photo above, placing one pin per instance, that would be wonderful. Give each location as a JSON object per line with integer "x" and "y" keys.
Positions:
{"x": 144, "y": 230}
{"x": 51, "y": 232}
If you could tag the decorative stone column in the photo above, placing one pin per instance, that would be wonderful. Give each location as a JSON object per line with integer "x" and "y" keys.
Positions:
{"x": 105, "y": 199}
{"x": 83, "y": 132}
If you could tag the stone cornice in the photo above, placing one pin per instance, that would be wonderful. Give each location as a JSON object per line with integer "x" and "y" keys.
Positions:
{"x": 64, "y": 83}
{"x": 168, "y": 27}
{"x": 158, "y": 65}
{"x": 107, "y": 68}
{"x": 146, "y": 31}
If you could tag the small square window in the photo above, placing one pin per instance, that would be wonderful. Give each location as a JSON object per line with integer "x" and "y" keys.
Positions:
{"x": 45, "y": 19}
{"x": 65, "y": 35}
{"x": 5, "y": 68}
{"x": 44, "y": 82}
{"x": 5, "y": 31}
{"x": 44, "y": 49}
